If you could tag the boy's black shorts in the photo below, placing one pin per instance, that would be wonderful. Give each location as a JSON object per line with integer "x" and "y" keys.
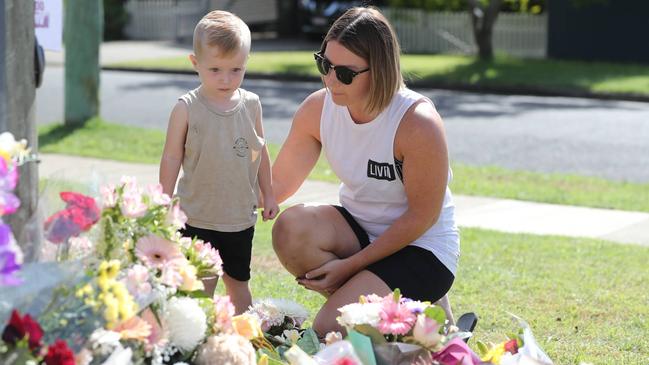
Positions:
{"x": 417, "y": 272}
{"x": 235, "y": 248}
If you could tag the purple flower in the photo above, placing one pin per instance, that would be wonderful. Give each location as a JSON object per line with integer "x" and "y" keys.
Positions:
{"x": 10, "y": 258}
{"x": 8, "y": 180}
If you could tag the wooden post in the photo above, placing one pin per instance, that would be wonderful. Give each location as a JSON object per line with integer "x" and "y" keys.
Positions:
{"x": 82, "y": 34}
{"x": 17, "y": 94}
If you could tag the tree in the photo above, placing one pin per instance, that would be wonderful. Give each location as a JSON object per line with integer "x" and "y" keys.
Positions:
{"x": 82, "y": 35}
{"x": 17, "y": 95}
{"x": 483, "y": 17}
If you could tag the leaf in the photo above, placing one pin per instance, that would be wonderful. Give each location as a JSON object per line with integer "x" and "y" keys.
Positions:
{"x": 482, "y": 348}
{"x": 436, "y": 313}
{"x": 309, "y": 342}
{"x": 197, "y": 294}
{"x": 371, "y": 332}
{"x": 273, "y": 357}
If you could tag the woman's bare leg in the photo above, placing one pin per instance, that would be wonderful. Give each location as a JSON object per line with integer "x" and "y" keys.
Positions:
{"x": 363, "y": 283}
{"x": 305, "y": 238}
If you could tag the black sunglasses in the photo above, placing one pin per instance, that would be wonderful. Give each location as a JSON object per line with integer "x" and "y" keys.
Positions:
{"x": 344, "y": 74}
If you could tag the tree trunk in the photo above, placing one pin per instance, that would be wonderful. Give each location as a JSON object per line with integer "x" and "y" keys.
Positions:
{"x": 483, "y": 20}
{"x": 83, "y": 33}
{"x": 17, "y": 113}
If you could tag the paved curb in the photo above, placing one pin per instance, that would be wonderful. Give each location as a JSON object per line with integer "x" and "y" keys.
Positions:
{"x": 427, "y": 84}
{"x": 503, "y": 215}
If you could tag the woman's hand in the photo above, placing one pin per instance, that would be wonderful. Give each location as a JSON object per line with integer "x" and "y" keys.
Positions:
{"x": 329, "y": 277}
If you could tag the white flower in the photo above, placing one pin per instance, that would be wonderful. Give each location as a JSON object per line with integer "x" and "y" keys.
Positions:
{"x": 291, "y": 336}
{"x": 426, "y": 331}
{"x": 186, "y": 322}
{"x": 272, "y": 312}
{"x": 121, "y": 356}
{"x": 332, "y": 337}
{"x": 17, "y": 150}
{"x": 104, "y": 342}
{"x": 356, "y": 313}
{"x": 226, "y": 349}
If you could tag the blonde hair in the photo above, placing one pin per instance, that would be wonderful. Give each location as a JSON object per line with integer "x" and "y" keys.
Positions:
{"x": 221, "y": 29}
{"x": 368, "y": 34}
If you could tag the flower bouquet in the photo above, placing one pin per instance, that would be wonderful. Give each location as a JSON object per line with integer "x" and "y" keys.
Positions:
{"x": 397, "y": 330}
{"x": 520, "y": 348}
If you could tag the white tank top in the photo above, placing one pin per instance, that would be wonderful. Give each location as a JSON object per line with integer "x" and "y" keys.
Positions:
{"x": 362, "y": 156}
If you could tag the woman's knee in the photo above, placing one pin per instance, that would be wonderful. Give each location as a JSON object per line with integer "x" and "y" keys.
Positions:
{"x": 290, "y": 229}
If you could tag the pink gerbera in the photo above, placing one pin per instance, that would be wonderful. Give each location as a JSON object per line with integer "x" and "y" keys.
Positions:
{"x": 158, "y": 252}
{"x": 396, "y": 318}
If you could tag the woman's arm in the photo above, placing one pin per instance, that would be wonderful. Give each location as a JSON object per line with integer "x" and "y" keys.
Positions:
{"x": 174, "y": 149}
{"x": 421, "y": 144}
{"x": 301, "y": 150}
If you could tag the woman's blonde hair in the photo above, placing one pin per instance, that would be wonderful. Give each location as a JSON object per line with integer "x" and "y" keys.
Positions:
{"x": 368, "y": 34}
{"x": 221, "y": 29}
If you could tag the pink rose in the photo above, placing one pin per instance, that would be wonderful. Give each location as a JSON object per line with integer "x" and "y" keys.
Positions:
{"x": 456, "y": 352}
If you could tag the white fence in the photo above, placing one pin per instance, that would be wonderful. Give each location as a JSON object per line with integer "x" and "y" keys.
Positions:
{"x": 164, "y": 19}
{"x": 520, "y": 35}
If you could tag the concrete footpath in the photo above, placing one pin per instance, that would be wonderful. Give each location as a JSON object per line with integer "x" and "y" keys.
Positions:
{"x": 504, "y": 215}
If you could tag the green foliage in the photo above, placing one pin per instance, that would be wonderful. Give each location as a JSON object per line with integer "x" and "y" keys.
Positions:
{"x": 115, "y": 18}
{"x": 309, "y": 342}
{"x": 585, "y": 299}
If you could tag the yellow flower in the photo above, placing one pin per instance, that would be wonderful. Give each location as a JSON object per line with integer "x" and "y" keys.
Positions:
{"x": 247, "y": 325}
{"x": 109, "y": 269}
{"x": 111, "y": 313}
{"x": 494, "y": 355}
{"x": 190, "y": 281}
{"x": 6, "y": 156}
{"x": 263, "y": 360}
{"x": 84, "y": 291}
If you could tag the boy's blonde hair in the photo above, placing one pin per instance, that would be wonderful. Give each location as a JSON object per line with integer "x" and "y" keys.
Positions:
{"x": 221, "y": 29}
{"x": 368, "y": 34}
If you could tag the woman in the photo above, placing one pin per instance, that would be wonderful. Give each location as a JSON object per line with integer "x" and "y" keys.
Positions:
{"x": 396, "y": 226}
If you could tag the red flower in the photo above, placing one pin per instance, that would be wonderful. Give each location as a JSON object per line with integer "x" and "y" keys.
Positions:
{"x": 345, "y": 361}
{"x": 78, "y": 216}
{"x": 59, "y": 354}
{"x": 19, "y": 327}
{"x": 511, "y": 346}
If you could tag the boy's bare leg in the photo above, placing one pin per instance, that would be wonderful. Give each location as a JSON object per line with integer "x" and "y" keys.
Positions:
{"x": 239, "y": 293}
{"x": 210, "y": 286}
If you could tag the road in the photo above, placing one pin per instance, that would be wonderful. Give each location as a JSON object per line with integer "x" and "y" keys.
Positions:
{"x": 608, "y": 139}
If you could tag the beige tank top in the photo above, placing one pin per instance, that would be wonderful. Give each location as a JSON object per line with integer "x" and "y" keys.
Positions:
{"x": 218, "y": 189}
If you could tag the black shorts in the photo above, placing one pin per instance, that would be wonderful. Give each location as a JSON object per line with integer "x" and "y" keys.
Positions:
{"x": 235, "y": 248}
{"x": 417, "y": 272}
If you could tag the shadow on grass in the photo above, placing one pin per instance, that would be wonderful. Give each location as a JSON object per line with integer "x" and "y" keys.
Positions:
{"x": 55, "y": 133}
{"x": 530, "y": 74}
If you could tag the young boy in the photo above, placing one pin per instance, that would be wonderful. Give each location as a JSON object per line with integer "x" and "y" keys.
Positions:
{"x": 215, "y": 132}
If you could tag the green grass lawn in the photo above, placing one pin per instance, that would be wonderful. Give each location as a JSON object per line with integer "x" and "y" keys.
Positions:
{"x": 597, "y": 77}
{"x": 586, "y": 300}
{"x": 118, "y": 142}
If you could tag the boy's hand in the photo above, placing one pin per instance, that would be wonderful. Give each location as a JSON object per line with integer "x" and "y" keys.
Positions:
{"x": 271, "y": 209}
